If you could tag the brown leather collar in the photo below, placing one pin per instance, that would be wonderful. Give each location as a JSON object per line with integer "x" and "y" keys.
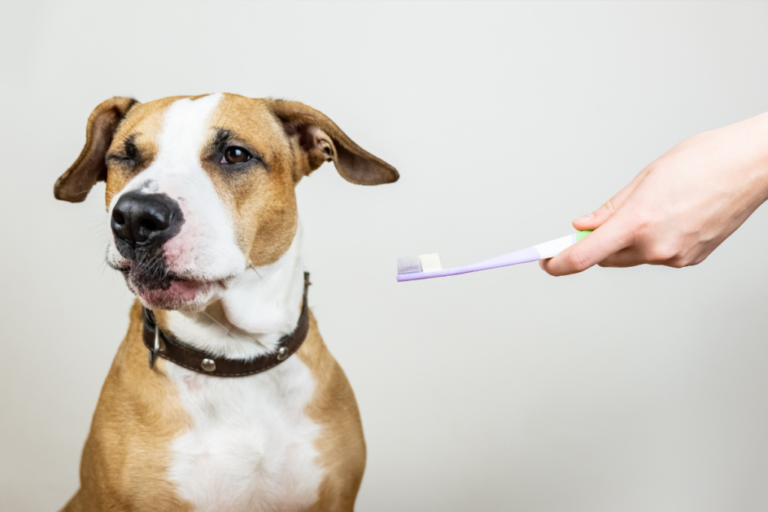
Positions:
{"x": 169, "y": 347}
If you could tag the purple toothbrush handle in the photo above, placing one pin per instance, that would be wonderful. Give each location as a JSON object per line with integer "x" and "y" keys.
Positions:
{"x": 513, "y": 258}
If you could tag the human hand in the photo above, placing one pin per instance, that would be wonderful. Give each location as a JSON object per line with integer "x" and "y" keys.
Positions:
{"x": 677, "y": 210}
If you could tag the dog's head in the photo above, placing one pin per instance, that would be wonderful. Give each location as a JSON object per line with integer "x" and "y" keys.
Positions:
{"x": 198, "y": 189}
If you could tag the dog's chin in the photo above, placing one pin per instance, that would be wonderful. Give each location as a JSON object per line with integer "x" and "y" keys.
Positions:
{"x": 179, "y": 294}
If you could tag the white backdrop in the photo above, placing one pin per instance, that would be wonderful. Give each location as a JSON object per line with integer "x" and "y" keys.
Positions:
{"x": 632, "y": 390}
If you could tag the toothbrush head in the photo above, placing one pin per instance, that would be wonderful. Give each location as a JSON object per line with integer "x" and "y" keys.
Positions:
{"x": 416, "y": 265}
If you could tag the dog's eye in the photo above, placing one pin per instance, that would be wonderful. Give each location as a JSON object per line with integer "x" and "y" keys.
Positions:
{"x": 235, "y": 155}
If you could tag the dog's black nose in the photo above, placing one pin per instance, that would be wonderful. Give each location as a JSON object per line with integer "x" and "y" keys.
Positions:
{"x": 145, "y": 220}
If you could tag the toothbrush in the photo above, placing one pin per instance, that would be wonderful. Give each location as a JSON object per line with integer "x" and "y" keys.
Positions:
{"x": 428, "y": 266}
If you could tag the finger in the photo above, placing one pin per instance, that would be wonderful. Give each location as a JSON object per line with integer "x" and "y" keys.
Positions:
{"x": 656, "y": 254}
{"x": 628, "y": 257}
{"x": 607, "y": 240}
{"x": 597, "y": 218}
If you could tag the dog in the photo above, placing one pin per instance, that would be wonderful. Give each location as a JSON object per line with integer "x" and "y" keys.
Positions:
{"x": 222, "y": 395}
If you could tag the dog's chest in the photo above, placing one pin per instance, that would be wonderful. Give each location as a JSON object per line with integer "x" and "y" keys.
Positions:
{"x": 251, "y": 444}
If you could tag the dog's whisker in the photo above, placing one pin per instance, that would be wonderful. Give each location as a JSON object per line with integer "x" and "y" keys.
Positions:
{"x": 209, "y": 316}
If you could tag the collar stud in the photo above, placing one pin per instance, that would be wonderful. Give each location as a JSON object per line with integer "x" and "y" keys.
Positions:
{"x": 208, "y": 365}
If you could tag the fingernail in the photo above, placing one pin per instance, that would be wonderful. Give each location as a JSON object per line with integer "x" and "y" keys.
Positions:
{"x": 585, "y": 218}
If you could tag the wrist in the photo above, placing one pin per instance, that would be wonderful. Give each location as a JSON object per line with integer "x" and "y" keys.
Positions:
{"x": 762, "y": 130}
{"x": 756, "y": 137}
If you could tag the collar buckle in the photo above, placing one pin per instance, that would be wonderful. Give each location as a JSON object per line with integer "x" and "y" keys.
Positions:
{"x": 156, "y": 348}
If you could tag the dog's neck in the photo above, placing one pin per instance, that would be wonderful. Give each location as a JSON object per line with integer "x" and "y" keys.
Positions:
{"x": 258, "y": 307}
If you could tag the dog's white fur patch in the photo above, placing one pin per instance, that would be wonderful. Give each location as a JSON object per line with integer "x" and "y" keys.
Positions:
{"x": 251, "y": 447}
{"x": 251, "y": 444}
{"x": 261, "y": 305}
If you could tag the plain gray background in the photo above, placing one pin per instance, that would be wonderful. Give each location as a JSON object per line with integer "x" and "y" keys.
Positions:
{"x": 615, "y": 390}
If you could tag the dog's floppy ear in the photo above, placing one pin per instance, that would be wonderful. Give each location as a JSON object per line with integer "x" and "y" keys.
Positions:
{"x": 90, "y": 167}
{"x": 322, "y": 141}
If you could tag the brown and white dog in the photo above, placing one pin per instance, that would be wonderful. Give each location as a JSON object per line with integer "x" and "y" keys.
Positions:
{"x": 204, "y": 226}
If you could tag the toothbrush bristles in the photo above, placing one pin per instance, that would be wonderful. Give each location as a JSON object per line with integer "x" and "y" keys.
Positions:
{"x": 408, "y": 265}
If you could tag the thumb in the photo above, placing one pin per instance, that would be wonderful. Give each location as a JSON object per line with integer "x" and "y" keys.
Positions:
{"x": 610, "y": 238}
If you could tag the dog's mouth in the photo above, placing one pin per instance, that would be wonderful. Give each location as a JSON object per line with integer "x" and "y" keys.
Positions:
{"x": 160, "y": 289}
